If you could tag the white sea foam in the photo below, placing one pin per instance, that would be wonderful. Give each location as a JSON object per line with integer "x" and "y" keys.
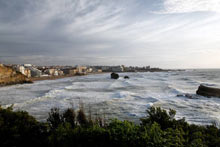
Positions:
{"x": 122, "y": 98}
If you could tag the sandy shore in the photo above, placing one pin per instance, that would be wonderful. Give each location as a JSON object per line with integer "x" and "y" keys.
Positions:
{"x": 59, "y": 77}
{"x": 33, "y": 79}
{"x": 50, "y": 78}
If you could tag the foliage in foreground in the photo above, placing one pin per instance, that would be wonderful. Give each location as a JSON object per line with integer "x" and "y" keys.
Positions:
{"x": 158, "y": 129}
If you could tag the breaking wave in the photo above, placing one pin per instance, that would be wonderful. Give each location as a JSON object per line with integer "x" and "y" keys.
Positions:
{"x": 122, "y": 98}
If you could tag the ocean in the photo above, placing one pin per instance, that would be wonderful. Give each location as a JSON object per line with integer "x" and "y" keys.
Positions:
{"x": 123, "y": 98}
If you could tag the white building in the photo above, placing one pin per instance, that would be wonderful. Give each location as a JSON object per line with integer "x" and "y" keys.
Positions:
{"x": 21, "y": 69}
{"x": 89, "y": 70}
{"x": 81, "y": 69}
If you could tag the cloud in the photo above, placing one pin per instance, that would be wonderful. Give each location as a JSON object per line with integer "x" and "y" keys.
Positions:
{"x": 186, "y": 6}
{"x": 79, "y": 27}
{"x": 106, "y": 32}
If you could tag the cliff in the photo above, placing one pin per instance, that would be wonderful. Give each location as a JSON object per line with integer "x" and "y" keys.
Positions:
{"x": 8, "y": 76}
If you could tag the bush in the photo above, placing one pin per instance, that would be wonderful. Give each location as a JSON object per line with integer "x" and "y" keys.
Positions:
{"x": 164, "y": 119}
{"x": 55, "y": 118}
{"x": 20, "y": 129}
{"x": 123, "y": 133}
{"x": 81, "y": 118}
{"x": 158, "y": 129}
{"x": 70, "y": 116}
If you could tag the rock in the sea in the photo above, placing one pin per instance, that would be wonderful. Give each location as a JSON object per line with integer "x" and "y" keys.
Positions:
{"x": 114, "y": 76}
{"x": 208, "y": 91}
{"x": 190, "y": 96}
{"x": 126, "y": 77}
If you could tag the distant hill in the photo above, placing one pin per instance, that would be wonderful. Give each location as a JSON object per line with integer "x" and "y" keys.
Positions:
{"x": 9, "y": 76}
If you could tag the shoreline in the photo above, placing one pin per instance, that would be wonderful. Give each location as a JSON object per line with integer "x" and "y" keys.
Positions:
{"x": 68, "y": 76}
{"x": 33, "y": 79}
{"x": 60, "y": 77}
{"x": 50, "y": 78}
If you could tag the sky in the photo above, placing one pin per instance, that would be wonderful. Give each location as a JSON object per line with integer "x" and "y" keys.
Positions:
{"x": 160, "y": 33}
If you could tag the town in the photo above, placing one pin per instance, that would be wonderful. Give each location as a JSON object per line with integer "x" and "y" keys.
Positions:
{"x": 33, "y": 71}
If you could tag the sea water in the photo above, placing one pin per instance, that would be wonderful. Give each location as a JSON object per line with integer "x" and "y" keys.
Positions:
{"x": 122, "y": 98}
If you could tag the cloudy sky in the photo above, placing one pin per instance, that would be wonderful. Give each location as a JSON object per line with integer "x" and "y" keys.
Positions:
{"x": 160, "y": 33}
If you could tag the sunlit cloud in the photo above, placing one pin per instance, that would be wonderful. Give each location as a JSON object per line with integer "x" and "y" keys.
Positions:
{"x": 183, "y": 6}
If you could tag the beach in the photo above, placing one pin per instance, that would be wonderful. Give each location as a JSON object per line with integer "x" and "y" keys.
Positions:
{"x": 60, "y": 77}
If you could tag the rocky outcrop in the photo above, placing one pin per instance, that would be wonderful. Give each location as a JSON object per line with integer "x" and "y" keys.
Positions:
{"x": 126, "y": 77}
{"x": 114, "y": 76}
{"x": 8, "y": 76}
{"x": 208, "y": 91}
{"x": 190, "y": 96}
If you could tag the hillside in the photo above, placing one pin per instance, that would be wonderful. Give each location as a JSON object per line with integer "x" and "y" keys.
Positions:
{"x": 8, "y": 76}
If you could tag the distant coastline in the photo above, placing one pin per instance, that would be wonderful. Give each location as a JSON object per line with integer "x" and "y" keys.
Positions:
{"x": 28, "y": 73}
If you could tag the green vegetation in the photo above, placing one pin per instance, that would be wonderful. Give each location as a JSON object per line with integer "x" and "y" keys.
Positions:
{"x": 158, "y": 129}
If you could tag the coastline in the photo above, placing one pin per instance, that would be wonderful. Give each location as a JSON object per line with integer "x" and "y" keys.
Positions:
{"x": 50, "y": 78}
{"x": 61, "y": 77}
{"x": 33, "y": 79}
{"x": 67, "y": 76}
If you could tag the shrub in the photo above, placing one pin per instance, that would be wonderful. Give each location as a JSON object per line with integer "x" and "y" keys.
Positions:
{"x": 158, "y": 129}
{"x": 20, "y": 129}
{"x": 123, "y": 133}
{"x": 81, "y": 117}
{"x": 70, "y": 116}
{"x": 55, "y": 118}
{"x": 164, "y": 119}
